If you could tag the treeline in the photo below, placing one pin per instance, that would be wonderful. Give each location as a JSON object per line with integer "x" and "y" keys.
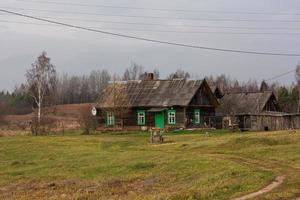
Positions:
{"x": 70, "y": 89}
{"x": 288, "y": 96}
{"x": 17, "y": 102}
{"x": 227, "y": 84}
{"x": 73, "y": 89}
{"x": 81, "y": 89}
{"x": 86, "y": 88}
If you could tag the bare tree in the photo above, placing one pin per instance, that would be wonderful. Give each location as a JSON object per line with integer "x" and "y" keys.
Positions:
{"x": 179, "y": 74}
{"x": 235, "y": 87}
{"x": 134, "y": 72}
{"x": 223, "y": 82}
{"x": 97, "y": 81}
{"x": 41, "y": 82}
{"x": 81, "y": 89}
{"x": 116, "y": 100}
{"x": 251, "y": 86}
{"x": 156, "y": 74}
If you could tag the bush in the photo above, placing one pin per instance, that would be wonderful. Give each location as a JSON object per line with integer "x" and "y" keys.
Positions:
{"x": 88, "y": 123}
{"x": 46, "y": 125}
{"x": 3, "y": 122}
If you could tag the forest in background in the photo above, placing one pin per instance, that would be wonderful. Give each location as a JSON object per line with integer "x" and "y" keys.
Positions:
{"x": 72, "y": 89}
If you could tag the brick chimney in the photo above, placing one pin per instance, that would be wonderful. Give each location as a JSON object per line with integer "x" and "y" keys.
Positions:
{"x": 149, "y": 77}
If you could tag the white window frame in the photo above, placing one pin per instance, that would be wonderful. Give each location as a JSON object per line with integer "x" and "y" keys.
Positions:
{"x": 141, "y": 117}
{"x": 172, "y": 117}
{"x": 110, "y": 119}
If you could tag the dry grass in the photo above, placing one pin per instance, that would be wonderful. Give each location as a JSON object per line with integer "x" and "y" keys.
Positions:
{"x": 191, "y": 166}
{"x": 65, "y": 118}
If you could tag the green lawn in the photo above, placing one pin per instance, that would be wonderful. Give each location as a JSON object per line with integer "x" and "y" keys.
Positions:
{"x": 195, "y": 165}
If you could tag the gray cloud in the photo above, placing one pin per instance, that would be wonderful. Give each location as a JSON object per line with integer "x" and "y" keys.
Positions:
{"x": 79, "y": 52}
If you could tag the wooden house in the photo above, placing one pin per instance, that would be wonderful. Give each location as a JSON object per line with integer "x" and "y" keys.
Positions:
{"x": 165, "y": 104}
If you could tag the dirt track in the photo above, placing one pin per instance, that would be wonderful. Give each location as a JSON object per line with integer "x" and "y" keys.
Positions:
{"x": 278, "y": 181}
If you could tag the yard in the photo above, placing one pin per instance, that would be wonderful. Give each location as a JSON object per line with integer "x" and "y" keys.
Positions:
{"x": 193, "y": 165}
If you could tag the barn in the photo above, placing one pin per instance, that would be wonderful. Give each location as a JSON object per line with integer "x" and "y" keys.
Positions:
{"x": 248, "y": 103}
{"x": 255, "y": 111}
{"x": 165, "y": 104}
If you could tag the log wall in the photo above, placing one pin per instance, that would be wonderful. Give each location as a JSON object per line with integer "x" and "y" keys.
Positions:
{"x": 269, "y": 122}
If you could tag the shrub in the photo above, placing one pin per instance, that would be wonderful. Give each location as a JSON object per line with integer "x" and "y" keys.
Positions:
{"x": 44, "y": 127}
{"x": 88, "y": 123}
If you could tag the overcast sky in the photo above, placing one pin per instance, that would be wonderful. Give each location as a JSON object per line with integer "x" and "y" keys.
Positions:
{"x": 261, "y": 25}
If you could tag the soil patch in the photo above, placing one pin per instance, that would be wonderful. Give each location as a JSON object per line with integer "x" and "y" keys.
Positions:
{"x": 278, "y": 181}
{"x": 78, "y": 189}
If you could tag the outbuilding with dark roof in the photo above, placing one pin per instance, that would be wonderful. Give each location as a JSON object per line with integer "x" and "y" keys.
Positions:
{"x": 255, "y": 111}
{"x": 248, "y": 103}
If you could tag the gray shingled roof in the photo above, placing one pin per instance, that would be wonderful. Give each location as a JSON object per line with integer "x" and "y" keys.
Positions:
{"x": 238, "y": 103}
{"x": 156, "y": 93}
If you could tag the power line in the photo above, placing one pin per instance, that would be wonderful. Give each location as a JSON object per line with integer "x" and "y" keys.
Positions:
{"x": 29, "y": 23}
{"x": 280, "y": 75}
{"x": 147, "y": 39}
{"x": 153, "y": 17}
{"x": 156, "y": 9}
{"x": 169, "y": 25}
{"x": 163, "y": 31}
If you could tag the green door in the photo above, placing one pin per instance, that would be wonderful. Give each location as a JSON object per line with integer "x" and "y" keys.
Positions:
{"x": 160, "y": 120}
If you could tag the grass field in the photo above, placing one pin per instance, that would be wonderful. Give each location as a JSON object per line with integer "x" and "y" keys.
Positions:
{"x": 193, "y": 165}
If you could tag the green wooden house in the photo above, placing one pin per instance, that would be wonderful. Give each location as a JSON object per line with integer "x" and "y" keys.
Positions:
{"x": 166, "y": 104}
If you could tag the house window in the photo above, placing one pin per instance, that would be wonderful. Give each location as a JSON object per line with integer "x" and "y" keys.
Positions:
{"x": 171, "y": 117}
{"x": 141, "y": 117}
{"x": 197, "y": 116}
{"x": 110, "y": 119}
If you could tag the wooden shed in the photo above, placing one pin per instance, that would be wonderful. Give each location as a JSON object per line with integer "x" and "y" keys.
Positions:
{"x": 269, "y": 121}
{"x": 248, "y": 102}
{"x": 255, "y": 111}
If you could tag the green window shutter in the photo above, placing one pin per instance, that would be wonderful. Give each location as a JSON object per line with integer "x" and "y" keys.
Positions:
{"x": 197, "y": 116}
{"x": 110, "y": 119}
{"x": 141, "y": 117}
{"x": 171, "y": 117}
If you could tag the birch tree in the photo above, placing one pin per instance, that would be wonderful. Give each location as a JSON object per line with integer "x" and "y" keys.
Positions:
{"x": 41, "y": 82}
